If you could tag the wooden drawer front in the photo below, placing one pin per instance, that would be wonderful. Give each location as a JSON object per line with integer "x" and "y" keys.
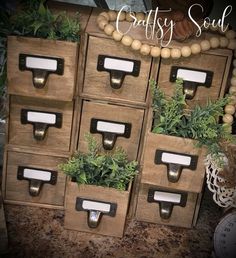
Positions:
{"x": 153, "y": 210}
{"x": 130, "y": 119}
{"x": 58, "y": 86}
{"x": 30, "y": 119}
{"x": 35, "y": 166}
{"x": 97, "y": 83}
{"x": 111, "y": 224}
{"x": 179, "y": 151}
{"x": 205, "y": 62}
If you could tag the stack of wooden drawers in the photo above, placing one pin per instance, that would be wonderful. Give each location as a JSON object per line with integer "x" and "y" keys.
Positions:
{"x": 114, "y": 90}
{"x": 42, "y": 77}
{"x": 173, "y": 168}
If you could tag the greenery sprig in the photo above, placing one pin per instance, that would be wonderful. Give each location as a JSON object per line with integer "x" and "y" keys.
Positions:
{"x": 171, "y": 117}
{"x": 108, "y": 169}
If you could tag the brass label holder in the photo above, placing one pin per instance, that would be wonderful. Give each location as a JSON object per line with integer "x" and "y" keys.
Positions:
{"x": 95, "y": 209}
{"x": 118, "y": 68}
{"x": 41, "y": 121}
{"x": 175, "y": 162}
{"x": 36, "y": 177}
{"x": 192, "y": 79}
{"x": 110, "y": 130}
{"x": 41, "y": 67}
{"x": 167, "y": 200}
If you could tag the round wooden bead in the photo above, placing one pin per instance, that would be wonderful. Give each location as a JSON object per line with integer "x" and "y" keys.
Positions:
{"x": 232, "y": 90}
{"x": 136, "y": 44}
{"x": 140, "y": 16}
{"x": 112, "y": 15}
{"x": 230, "y": 34}
{"x": 233, "y": 81}
{"x": 232, "y": 44}
{"x": 127, "y": 40}
{"x": 215, "y": 42}
{"x": 186, "y": 51}
{"x": 165, "y": 53}
{"x": 195, "y": 48}
{"x": 232, "y": 100}
{"x": 109, "y": 29}
{"x": 116, "y": 35}
{"x": 234, "y": 72}
{"x": 105, "y": 14}
{"x": 102, "y": 24}
{"x": 205, "y": 45}
{"x": 175, "y": 53}
{"x": 224, "y": 42}
{"x": 122, "y": 16}
{"x": 129, "y": 18}
{"x": 229, "y": 109}
{"x": 100, "y": 18}
{"x": 155, "y": 51}
{"x": 145, "y": 49}
{"x": 228, "y": 119}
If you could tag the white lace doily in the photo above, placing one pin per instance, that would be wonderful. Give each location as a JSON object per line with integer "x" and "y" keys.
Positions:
{"x": 224, "y": 197}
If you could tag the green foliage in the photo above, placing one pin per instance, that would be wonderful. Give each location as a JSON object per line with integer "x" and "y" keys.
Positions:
{"x": 171, "y": 117}
{"x": 109, "y": 169}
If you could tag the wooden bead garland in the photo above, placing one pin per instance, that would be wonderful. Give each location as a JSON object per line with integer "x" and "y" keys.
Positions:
{"x": 224, "y": 41}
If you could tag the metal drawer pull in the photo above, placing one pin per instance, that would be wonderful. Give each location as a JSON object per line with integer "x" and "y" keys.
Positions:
{"x": 41, "y": 121}
{"x": 118, "y": 68}
{"x": 95, "y": 210}
{"x": 36, "y": 177}
{"x": 110, "y": 130}
{"x": 192, "y": 78}
{"x": 167, "y": 200}
{"x": 41, "y": 67}
{"x": 175, "y": 162}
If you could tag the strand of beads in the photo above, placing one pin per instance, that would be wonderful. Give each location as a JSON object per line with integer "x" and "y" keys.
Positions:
{"x": 226, "y": 40}
{"x": 230, "y": 109}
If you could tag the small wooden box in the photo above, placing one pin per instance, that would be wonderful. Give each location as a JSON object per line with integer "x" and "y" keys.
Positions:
{"x": 20, "y": 188}
{"x": 24, "y": 57}
{"x": 161, "y": 150}
{"x": 206, "y": 72}
{"x": 152, "y": 208}
{"x": 112, "y": 125}
{"x": 40, "y": 123}
{"x": 112, "y": 223}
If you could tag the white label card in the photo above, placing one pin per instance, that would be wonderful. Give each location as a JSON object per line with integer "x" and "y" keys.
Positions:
{"x": 175, "y": 159}
{"x": 41, "y": 63}
{"x": 37, "y": 174}
{"x": 120, "y": 65}
{"x": 167, "y": 197}
{"x": 110, "y": 127}
{"x": 40, "y": 117}
{"x": 97, "y": 206}
{"x": 191, "y": 75}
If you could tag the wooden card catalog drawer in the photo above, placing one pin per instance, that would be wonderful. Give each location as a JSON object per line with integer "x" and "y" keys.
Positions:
{"x": 41, "y": 68}
{"x": 165, "y": 206}
{"x": 112, "y": 125}
{"x": 114, "y": 72}
{"x": 34, "y": 180}
{"x": 96, "y": 209}
{"x": 42, "y": 124}
{"x": 205, "y": 75}
{"x": 173, "y": 162}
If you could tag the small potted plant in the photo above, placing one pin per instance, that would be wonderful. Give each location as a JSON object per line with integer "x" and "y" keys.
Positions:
{"x": 179, "y": 139}
{"x": 98, "y": 190}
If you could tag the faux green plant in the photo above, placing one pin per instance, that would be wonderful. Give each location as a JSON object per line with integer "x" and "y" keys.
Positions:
{"x": 101, "y": 168}
{"x": 171, "y": 117}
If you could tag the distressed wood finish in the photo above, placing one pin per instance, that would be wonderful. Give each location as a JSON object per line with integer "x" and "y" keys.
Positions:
{"x": 17, "y": 191}
{"x": 22, "y": 134}
{"x": 218, "y": 62}
{"x": 58, "y": 87}
{"x": 77, "y": 220}
{"x": 190, "y": 180}
{"x": 117, "y": 114}
{"x": 149, "y": 212}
